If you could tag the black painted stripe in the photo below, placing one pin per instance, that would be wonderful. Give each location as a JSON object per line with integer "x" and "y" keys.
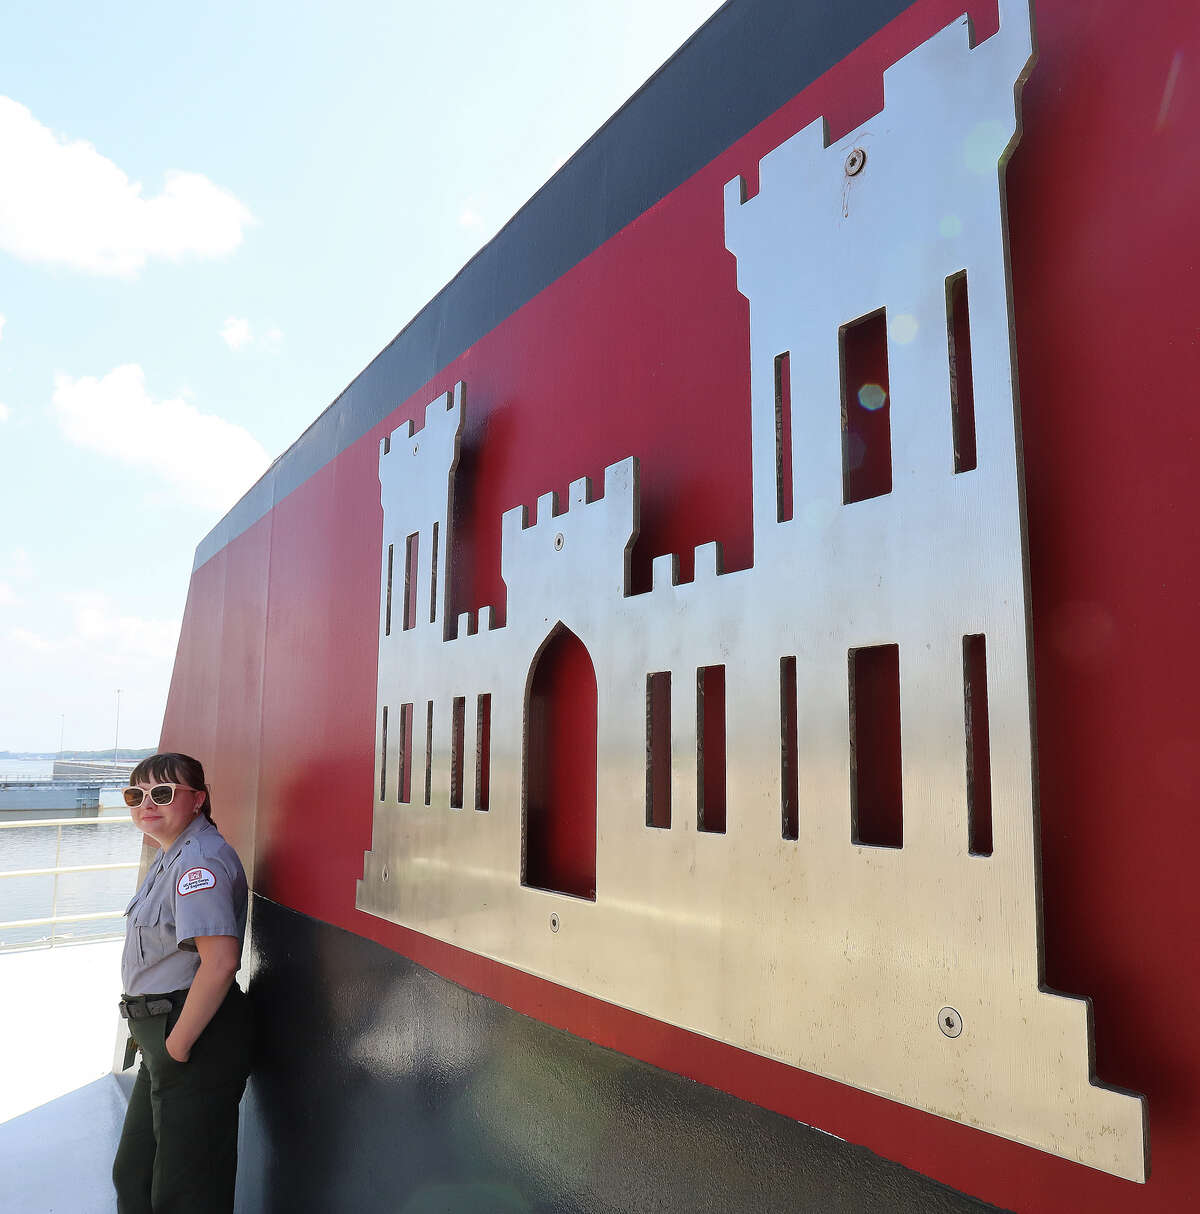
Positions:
{"x": 748, "y": 59}
{"x": 419, "y": 1095}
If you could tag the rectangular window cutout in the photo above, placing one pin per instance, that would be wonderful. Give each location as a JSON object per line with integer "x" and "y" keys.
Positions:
{"x": 411, "y": 547}
{"x": 789, "y": 775}
{"x": 710, "y": 749}
{"x": 962, "y": 384}
{"x": 404, "y": 783}
{"x": 979, "y": 749}
{"x": 457, "y": 730}
{"x": 783, "y": 436}
{"x": 433, "y": 578}
{"x": 387, "y": 615}
{"x": 866, "y": 409}
{"x": 876, "y": 779}
{"x": 429, "y": 752}
{"x": 383, "y": 762}
{"x": 483, "y": 749}
{"x": 658, "y": 749}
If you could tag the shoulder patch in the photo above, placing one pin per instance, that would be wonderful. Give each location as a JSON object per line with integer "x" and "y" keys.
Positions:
{"x": 194, "y": 879}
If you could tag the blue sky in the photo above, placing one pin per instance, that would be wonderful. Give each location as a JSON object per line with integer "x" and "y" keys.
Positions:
{"x": 208, "y": 225}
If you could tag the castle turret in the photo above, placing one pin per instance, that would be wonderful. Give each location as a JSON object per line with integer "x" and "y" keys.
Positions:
{"x": 416, "y": 483}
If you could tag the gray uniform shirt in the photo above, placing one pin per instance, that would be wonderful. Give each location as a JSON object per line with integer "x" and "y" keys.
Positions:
{"x": 198, "y": 888}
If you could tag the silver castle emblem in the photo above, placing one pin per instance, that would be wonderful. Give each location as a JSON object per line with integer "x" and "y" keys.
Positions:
{"x": 744, "y": 884}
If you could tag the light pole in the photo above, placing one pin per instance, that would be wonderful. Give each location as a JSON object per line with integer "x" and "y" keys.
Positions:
{"x": 117, "y": 730}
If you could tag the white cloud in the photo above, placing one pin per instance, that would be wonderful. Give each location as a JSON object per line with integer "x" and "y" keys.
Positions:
{"x": 98, "y": 624}
{"x": 8, "y": 596}
{"x": 468, "y": 217}
{"x": 17, "y": 565}
{"x": 5, "y": 412}
{"x": 3, "y": 318}
{"x": 209, "y": 461}
{"x": 31, "y": 640}
{"x": 68, "y": 655}
{"x": 61, "y": 201}
{"x": 100, "y": 629}
{"x": 236, "y": 332}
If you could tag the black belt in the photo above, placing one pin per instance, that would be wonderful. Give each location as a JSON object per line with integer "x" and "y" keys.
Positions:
{"x": 140, "y": 1007}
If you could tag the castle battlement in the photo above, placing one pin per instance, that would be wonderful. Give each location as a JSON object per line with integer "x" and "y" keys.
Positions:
{"x": 474, "y": 623}
{"x": 443, "y": 416}
{"x": 708, "y": 564}
{"x": 586, "y": 535}
{"x": 411, "y": 460}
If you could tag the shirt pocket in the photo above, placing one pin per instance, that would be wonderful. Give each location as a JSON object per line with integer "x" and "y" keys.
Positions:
{"x": 154, "y": 932}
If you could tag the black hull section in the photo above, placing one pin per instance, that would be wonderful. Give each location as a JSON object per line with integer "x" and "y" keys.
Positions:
{"x": 381, "y": 1086}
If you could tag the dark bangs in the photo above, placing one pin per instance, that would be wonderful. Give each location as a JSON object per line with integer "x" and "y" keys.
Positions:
{"x": 160, "y": 769}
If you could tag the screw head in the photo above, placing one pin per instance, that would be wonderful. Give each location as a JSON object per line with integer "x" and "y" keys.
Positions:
{"x": 416, "y": 448}
{"x": 385, "y": 872}
{"x": 554, "y": 923}
{"x": 950, "y": 1022}
{"x": 559, "y": 540}
{"x": 855, "y": 162}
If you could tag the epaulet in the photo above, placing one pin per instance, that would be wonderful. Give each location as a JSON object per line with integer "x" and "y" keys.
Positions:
{"x": 209, "y": 843}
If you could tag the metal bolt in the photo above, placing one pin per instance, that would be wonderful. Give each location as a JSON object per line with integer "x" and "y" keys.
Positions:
{"x": 554, "y": 923}
{"x": 416, "y": 448}
{"x": 855, "y": 162}
{"x": 950, "y": 1022}
{"x": 558, "y": 542}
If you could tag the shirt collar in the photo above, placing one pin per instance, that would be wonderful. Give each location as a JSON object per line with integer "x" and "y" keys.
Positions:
{"x": 195, "y": 827}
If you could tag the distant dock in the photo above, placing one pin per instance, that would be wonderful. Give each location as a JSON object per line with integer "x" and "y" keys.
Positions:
{"x": 72, "y": 792}
{"x": 101, "y": 771}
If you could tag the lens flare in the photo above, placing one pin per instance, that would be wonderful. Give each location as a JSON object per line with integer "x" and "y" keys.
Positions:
{"x": 903, "y": 328}
{"x": 872, "y": 397}
{"x": 982, "y": 147}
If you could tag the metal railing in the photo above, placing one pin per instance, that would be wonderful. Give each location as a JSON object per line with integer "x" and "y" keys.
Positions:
{"x": 58, "y": 870}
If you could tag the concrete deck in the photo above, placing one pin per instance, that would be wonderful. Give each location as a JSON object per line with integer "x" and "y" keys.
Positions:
{"x": 61, "y": 1108}
{"x": 58, "y": 1021}
{"x": 57, "y": 1159}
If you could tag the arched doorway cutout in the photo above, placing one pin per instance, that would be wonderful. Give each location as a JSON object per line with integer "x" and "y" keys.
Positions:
{"x": 559, "y": 768}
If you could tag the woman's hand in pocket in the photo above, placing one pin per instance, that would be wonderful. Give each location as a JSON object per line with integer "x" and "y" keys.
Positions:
{"x": 174, "y": 1050}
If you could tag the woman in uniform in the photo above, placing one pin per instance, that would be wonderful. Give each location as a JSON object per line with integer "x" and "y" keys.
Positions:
{"x": 183, "y": 944}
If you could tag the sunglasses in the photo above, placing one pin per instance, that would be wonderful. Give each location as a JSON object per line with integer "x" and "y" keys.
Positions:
{"x": 160, "y": 794}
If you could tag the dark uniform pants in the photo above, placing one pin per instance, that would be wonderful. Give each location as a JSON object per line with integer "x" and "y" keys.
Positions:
{"x": 178, "y": 1150}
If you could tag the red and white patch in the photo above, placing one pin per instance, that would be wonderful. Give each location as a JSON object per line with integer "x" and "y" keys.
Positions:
{"x": 194, "y": 879}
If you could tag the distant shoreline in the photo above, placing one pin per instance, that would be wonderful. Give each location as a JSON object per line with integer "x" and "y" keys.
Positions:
{"x": 78, "y": 756}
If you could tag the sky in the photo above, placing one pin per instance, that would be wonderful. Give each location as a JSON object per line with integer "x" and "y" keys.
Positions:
{"x": 211, "y": 219}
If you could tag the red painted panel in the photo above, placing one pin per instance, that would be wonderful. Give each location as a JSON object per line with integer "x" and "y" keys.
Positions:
{"x": 642, "y": 348}
{"x": 318, "y": 730}
{"x": 1103, "y": 278}
{"x": 233, "y": 774}
{"x": 190, "y": 720}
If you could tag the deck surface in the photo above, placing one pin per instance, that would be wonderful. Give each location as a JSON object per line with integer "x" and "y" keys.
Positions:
{"x": 61, "y": 1108}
